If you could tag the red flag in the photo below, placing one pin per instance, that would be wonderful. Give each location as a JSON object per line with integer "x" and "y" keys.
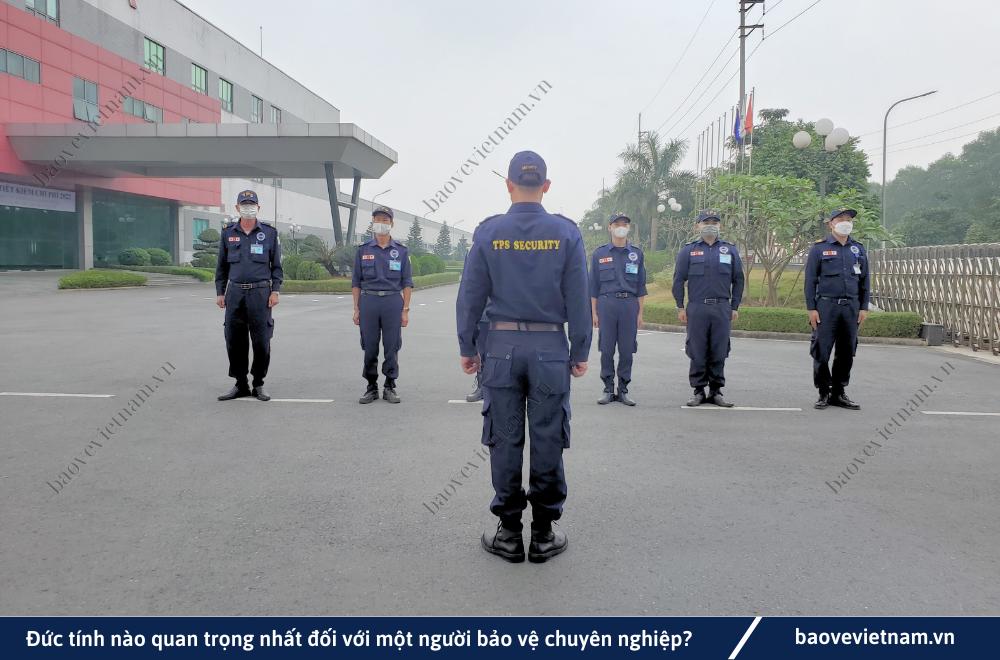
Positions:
{"x": 748, "y": 126}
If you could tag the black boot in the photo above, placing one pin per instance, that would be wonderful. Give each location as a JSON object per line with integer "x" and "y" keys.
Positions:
{"x": 623, "y": 393}
{"x": 841, "y": 400}
{"x": 609, "y": 392}
{"x": 370, "y": 394}
{"x": 260, "y": 394}
{"x": 823, "y": 401}
{"x": 239, "y": 390}
{"x": 389, "y": 391}
{"x": 546, "y": 543}
{"x": 717, "y": 398}
{"x": 697, "y": 399}
{"x": 504, "y": 543}
{"x": 477, "y": 391}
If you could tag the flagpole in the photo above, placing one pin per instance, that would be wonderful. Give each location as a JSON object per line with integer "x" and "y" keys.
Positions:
{"x": 750, "y": 119}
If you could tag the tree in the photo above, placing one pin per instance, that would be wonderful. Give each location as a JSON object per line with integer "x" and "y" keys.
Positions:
{"x": 206, "y": 249}
{"x": 414, "y": 239}
{"x": 462, "y": 248}
{"x": 370, "y": 232}
{"x": 312, "y": 247}
{"x": 442, "y": 247}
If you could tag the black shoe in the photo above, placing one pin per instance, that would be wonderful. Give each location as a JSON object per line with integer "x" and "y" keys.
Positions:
{"x": 719, "y": 400}
{"x": 370, "y": 395}
{"x": 625, "y": 398}
{"x": 389, "y": 394}
{"x": 505, "y": 543}
{"x": 546, "y": 544}
{"x": 841, "y": 401}
{"x": 822, "y": 402}
{"x": 606, "y": 399}
{"x": 477, "y": 393}
{"x": 697, "y": 399}
{"x": 260, "y": 394}
{"x": 237, "y": 392}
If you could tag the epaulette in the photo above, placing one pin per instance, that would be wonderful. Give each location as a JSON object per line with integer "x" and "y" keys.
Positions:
{"x": 490, "y": 218}
{"x": 266, "y": 224}
{"x": 560, "y": 215}
{"x": 820, "y": 240}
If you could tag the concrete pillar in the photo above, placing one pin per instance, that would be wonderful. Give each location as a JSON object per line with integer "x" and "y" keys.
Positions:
{"x": 180, "y": 233}
{"x": 333, "y": 194}
{"x": 352, "y": 219}
{"x": 85, "y": 223}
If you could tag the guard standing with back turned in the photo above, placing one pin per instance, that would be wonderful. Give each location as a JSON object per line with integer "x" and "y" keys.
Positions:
{"x": 617, "y": 293}
{"x": 248, "y": 278}
{"x": 837, "y": 292}
{"x": 528, "y": 270}
{"x": 381, "y": 285}
{"x": 714, "y": 274}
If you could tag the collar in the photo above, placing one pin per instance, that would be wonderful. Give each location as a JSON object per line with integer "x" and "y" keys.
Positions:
{"x": 526, "y": 207}
{"x": 702, "y": 241}
{"x": 831, "y": 239}
{"x": 256, "y": 227}
{"x": 392, "y": 243}
{"x": 627, "y": 247}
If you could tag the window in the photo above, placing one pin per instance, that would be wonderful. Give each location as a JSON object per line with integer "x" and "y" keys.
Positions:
{"x": 85, "y": 100}
{"x": 47, "y": 9}
{"x": 146, "y": 111}
{"x": 226, "y": 94}
{"x": 200, "y": 225}
{"x": 256, "y": 110}
{"x": 18, "y": 65}
{"x": 275, "y": 115}
{"x": 198, "y": 79}
{"x": 154, "y": 56}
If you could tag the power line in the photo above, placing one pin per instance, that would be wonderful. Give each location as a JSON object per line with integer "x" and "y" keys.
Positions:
{"x": 921, "y": 137}
{"x": 696, "y": 85}
{"x": 956, "y": 137}
{"x": 936, "y": 114}
{"x": 683, "y": 53}
{"x": 721, "y": 89}
{"x": 778, "y": 29}
{"x": 705, "y": 91}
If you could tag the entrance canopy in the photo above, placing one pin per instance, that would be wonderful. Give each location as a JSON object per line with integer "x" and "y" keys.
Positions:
{"x": 294, "y": 151}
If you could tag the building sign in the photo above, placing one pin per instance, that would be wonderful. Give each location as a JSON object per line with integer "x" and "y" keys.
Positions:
{"x": 33, "y": 197}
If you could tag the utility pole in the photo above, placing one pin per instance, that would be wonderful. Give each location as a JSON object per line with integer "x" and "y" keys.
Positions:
{"x": 745, "y": 31}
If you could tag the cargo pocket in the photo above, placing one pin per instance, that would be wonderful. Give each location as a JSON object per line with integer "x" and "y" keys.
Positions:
{"x": 814, "y": 345}
{"x": 606, "y": 272}
{"x": 567, "y": 414}
{"x": 487, "y": 438}
{"x": 687, "y": 347}
{"x": 551, "y": 372}
{"x": 270, "y": 328}
{"x": 496, "y": 366}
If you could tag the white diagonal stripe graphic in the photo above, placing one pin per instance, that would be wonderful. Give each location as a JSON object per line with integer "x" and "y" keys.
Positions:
{"x": 746, "y": 636}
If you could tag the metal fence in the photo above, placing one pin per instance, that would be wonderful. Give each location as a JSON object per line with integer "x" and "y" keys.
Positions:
{"x": 957, "y": 286}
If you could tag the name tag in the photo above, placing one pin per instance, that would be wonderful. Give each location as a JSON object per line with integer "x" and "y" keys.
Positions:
{"x": 368, "y": 257}
{"x": 857, "y": 269}
{"x": 234, "y": 239}
{"x": 697, "y": 253}
{"x": 256, "y": 248}
{"x": 395, "y": 264}
{"x": 725, "y": 258}
{"x": 830, "y": 253}
{"x": 632, "y": 269}
{"x": 605, "y": 260}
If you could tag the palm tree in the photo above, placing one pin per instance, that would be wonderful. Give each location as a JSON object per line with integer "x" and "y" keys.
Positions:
{"x": 648, "y": 172}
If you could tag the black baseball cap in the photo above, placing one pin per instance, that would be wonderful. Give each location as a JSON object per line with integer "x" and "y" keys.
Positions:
{"x": 384, "y": 210}
{"x": 527, "y": 169}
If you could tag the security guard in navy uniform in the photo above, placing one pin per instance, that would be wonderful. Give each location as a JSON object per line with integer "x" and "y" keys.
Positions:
{"x": 381, "y": 285}
{"x": 617, "y": 294}
{"x": 248, "y": 278}
{"x": 528, "y": 269}
{"x": 837, "y": 292}
{"x": 714, "y": 274}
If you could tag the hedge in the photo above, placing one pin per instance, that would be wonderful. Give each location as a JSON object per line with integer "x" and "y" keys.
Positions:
{"x": 203, "y": 274}
{"x": 343, "y": 284}
{"x": 781, "y": 319}
{"x": 158, "y": 257}
{"x": 134, "y": 257}
{"x": 100, "y": 279}
{"x": 657, "y": 261}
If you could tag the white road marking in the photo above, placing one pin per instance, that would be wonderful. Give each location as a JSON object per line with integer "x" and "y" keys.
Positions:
{"x": 746, "y": 636}
{"x": 62, "y": 394}
{"x": 423, "y": 304}
{"x": 709, "y": 406}
{"x": 966, "y": 414}
{"x": 462, "y": 401}
{"x": 163, "y": 298}
{"x": 315, "y": 299}
{"x": 250, "y": 398}
{"x": 438, "y": 301}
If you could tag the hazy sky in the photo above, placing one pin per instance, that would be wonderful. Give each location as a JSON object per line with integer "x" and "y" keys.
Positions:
{"x": 433, "y": 79}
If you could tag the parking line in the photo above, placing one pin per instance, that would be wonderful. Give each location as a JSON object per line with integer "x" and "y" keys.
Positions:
{"x": 61, "y": 394}
{"x": 250, "y": 398}
{"x": 461, "y": 401}
{"x": 714, "y": 407}
{"x": 965, "y": 414}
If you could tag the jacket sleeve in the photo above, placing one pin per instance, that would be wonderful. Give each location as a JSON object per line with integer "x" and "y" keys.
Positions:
{"x": 642, "y": 275}
{"x": 577, "y": 300}
{"x": 737, "y": 295}
{"x": 864, "y": 283}
{"x": 811, "y": 277}
{"x": 680, "y": 276}
{"x": 221, "y": 267}
{"x": 407, "y": 274}
{"x": 356, "y": 271}
{"x": 595, "y": 283}
{"x": 277, "y": 274}
{"x": 472, "y": 295}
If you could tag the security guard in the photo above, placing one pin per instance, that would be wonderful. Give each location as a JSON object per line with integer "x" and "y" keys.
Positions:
{"x": 247, "y": 281}
{"x": 381, "y": 271}
{"x": 528, "y": 270}
{"x": 482, "y": 332}
{"x": 714, "y": 274}
{"x": 837, "y": 291}
{"x": 617, "y": 294}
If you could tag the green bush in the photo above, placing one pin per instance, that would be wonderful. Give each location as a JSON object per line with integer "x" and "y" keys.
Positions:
{"x": 431, "y": 264}
{"x": 134, "y": 257}
{"x": 204, "y": 261}
{"x": 416, "y": 265}
{"x": 310, "y": 270}
{"x": 781, "y": 319}
{"x": 343, "y": 284}
{"x": 435, "y": 279}
{"x": 203, "y": 274}
{"x": 158, "y": 257}
{"x": 657, "y": 261}
{"x": 100, "y": 279}
{"x": 290, "y": 266}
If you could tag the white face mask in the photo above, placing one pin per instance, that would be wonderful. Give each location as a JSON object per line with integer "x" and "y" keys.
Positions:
{"x": 710, "y": 231}
{"x": 844, "y": 227}
{"x": 248, "y": 210}
{"x": 381, "y": 228}
{"x": 619, "y": 232}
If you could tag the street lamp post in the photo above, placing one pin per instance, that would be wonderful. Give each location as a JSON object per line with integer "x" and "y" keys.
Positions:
{"x": 380, "y": 194}
{"x": 885, "y": 132}
{"x": 834, "y": 138}
{"x": 293, "y": 228}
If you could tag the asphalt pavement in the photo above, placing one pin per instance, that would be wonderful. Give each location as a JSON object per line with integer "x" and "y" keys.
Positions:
{"x": 317, "y": 505}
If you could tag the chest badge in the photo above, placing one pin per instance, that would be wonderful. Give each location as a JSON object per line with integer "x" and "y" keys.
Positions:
{"x": 855, "y": 249}
{"x": 632, "y": 256}
{"x": 394, "y": 253}
{"x": 723, "y": 249}
{"x": 260, "y": 236}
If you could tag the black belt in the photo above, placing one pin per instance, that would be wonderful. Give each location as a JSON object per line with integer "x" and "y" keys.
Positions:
{"x": 251, "y": 285}
{"x": 619, "y": 294}
{"x": 839, "y": 301}
{"x": 378, "y": 292}
{"x": 712, "y": 301}
{"x": 528, "y": 326}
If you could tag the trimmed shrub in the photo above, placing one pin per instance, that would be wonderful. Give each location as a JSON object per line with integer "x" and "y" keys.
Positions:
{"x": 203, "y": 274}
{"x": 431, "y": 264}
{"x": 416, "y": 265}
{"x": 100, "y": 279}
{"x": 134, "y": 257}
{"x": 158, "y": 257}
{"x": 310, "y": 270}
{"x": 343, "y": 284}
{"x": 290, "y": 266}
{"x": 657, "y": 261}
